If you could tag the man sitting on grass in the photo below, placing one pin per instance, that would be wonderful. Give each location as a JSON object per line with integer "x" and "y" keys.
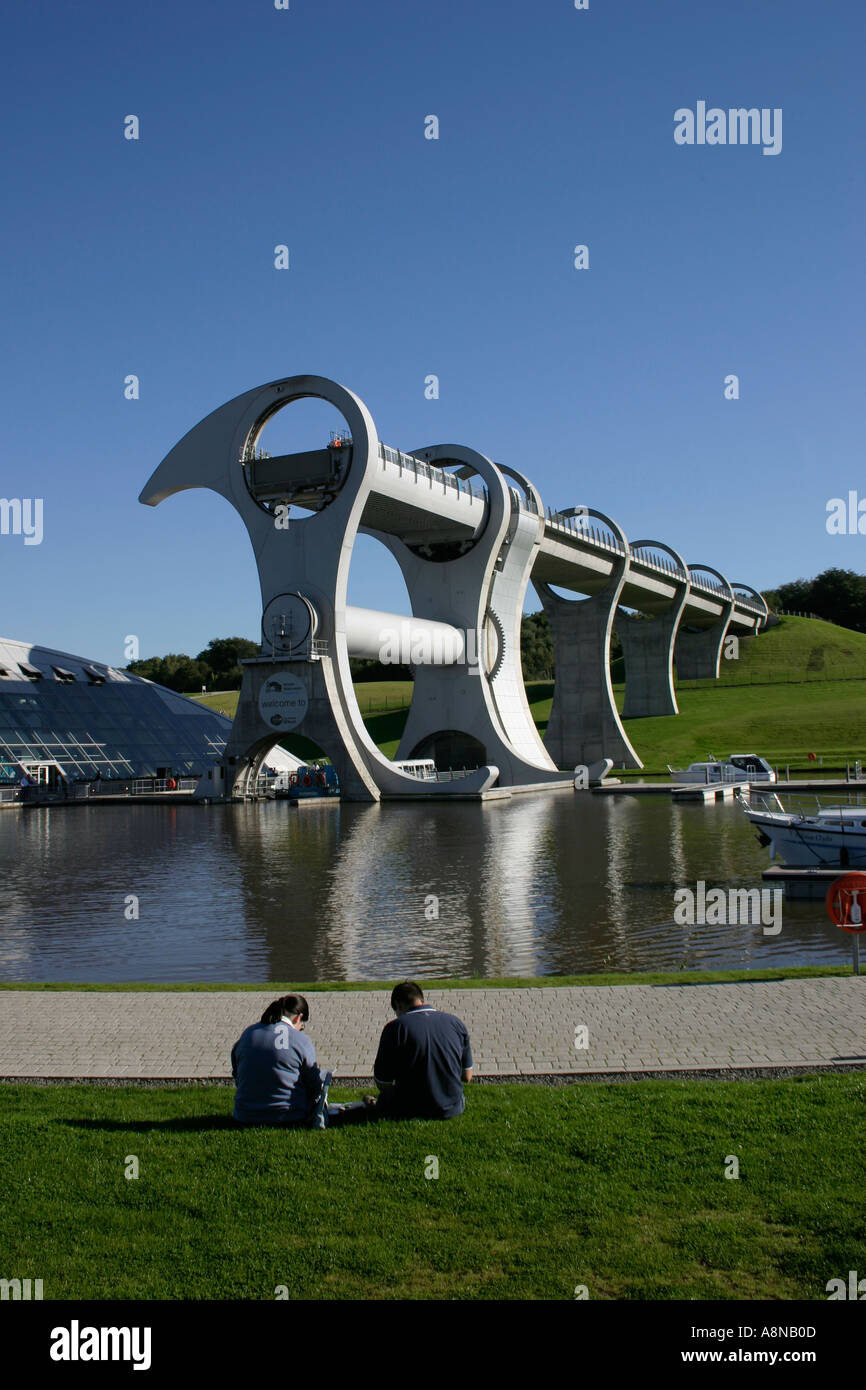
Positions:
{"x": 423, "y": 1060}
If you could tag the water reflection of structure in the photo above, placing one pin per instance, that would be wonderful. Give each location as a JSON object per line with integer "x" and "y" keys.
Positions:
{"x": 258, "y": 891}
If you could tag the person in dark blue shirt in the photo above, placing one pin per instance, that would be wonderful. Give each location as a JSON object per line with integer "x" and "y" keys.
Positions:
{"x": 275, "y": 1072}
{"x": 424, "y": 1058}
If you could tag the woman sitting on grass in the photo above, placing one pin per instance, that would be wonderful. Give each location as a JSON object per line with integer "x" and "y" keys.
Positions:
{"x": 275, "y": 1072}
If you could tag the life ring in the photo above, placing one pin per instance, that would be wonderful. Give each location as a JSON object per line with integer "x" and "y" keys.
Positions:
{"x": 308, "y": 781}
{"x": 293, "y": 779}
{"x": 321, "y": 779}
{"x": 171, "y": 784}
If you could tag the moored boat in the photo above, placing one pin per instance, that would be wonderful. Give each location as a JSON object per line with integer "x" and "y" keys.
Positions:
{"x": 831, "y": 837}
{"x": 310, "y": 780}
{"x": 739, "y": 767}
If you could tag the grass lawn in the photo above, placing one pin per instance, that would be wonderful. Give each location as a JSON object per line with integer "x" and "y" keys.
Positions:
{"x": 782, "y": 722}
{"x": 617, "y": 1187}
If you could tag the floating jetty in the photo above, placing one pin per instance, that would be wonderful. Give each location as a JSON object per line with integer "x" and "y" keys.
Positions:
{"x": 680, "y": 791}
{"x": 717, "y": 791}
{"x": 802, "y": 883}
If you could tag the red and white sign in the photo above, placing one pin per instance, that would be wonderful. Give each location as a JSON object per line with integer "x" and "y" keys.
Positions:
{"x": 846, "y": 902}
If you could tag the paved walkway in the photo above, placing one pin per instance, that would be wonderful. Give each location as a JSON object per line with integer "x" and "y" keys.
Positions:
{"x": 514, "y": 1032}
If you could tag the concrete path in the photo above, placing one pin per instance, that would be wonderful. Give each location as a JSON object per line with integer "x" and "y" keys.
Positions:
{"x": 514, "y": 1032}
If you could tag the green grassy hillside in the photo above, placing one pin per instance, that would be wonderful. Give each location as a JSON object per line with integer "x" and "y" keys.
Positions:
{"x": 797, "y": 649}
{"x": 781, "y": 722}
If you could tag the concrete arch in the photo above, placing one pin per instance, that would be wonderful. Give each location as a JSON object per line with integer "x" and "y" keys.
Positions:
{"x": 668, "y": 549}
{"x": 747, "y": 588}
{"x": 699, "y": 652}
{"x": 584, "y": 724}
{"x": 530, "y": 491}
{"x": 483, "y": 588}
{"x": 648, "y": 646}
{"x": 708, "y": 569}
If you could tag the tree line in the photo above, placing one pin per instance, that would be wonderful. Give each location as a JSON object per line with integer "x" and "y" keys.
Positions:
{"x": 838, "y": 596}
{"x": 218, "y": 667}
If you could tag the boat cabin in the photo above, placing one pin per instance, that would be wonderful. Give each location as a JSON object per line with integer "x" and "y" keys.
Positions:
{"x": 422, "y": 768}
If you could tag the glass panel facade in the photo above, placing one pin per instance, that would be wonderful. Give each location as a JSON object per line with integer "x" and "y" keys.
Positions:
{"x": 122, "y": 728}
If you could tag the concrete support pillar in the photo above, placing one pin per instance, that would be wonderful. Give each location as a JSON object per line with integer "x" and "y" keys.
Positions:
{"x": 305, "y": 692}
{"x": 699, "y": 650}
{"x": 584, "y": 725}
{"x": 648, "y": 647}
{"x": 480, "y": 593}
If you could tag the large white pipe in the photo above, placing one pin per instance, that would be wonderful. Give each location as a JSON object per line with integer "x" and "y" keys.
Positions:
{"x": 396, "y": 640}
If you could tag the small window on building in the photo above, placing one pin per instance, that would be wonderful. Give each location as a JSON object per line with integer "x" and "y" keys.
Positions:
{"x": 32, "y": 673}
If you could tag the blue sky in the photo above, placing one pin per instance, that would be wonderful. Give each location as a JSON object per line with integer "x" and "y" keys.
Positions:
{"x": 412, "y": 256}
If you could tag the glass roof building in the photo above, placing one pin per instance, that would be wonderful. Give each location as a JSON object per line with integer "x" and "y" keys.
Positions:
{"x": 88, "y": 719}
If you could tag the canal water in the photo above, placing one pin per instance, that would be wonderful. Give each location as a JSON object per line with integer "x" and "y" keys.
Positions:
{"x": 538, "y": 885}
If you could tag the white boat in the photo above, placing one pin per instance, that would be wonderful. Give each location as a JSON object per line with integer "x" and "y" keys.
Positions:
{"x": 422, "y": 768}
{"x": 833, "y": 837}
{"x": 739, "y": 767}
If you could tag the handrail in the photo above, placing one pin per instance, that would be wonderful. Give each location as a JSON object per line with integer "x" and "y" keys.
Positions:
{"x": 420, "y": 469}
{"x": 590, "y": 536}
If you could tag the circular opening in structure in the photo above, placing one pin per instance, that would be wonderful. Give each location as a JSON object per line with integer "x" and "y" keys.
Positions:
{"x": 450, "y": 530}
{"x": 298, "y": 459}
{"x": 451, "y": 751}
{"x": 290, "y": 752}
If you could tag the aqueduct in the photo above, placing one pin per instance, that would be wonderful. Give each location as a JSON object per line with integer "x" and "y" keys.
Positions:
{"x": 469, "y": 535}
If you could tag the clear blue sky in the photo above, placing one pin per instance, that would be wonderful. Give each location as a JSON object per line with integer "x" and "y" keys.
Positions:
{"x": 412, "y": 256}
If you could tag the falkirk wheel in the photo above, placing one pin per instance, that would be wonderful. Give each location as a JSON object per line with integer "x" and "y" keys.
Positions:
{"x": 468, "y": 535}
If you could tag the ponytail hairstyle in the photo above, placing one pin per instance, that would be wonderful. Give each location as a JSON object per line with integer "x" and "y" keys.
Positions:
{"x": 288, "y": 1004}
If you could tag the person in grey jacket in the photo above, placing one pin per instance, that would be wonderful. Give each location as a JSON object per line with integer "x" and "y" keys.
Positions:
{"x": 274, "y": 1069}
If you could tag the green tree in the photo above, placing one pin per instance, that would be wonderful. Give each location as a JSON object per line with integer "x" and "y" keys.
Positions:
{"x": 176, "y": 671}
{"x": 223, "y": 656}
{"x": 836, "y": 595}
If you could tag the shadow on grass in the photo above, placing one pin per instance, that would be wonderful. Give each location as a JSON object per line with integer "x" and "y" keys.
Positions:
{"x": 189, "y": 1123}
{"x": 386, "y": 728}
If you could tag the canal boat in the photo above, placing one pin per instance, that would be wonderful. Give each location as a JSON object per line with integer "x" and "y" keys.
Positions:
{"x": 739, "y": 767}
{"x": 831, "y": 837}
{"x": 422, "y": 768}
{"x": 310, "y": 780}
